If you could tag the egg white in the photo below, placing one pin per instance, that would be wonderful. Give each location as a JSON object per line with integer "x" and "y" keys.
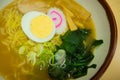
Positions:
{"x": 26, "y": 21}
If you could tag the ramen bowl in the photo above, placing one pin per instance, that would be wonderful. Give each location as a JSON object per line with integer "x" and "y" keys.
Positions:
{"x": 106, "y": 30}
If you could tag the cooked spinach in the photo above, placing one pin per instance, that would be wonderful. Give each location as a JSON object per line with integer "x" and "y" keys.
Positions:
{"x": 56, "y": 73}
{"x": 78, "y": 55}
{"x": 73, "y": 39}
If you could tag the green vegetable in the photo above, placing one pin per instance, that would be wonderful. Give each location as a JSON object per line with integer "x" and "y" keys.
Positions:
{"x": 31, "y": 57}
{"x": 60, "y": 55}
{"x": 37, "y": 55}
{"x": 78, "y": 55}
{"x": 97, "y": 42}
{"x": 73, "y": 39}
{"x": 56, "y": 73}
{"x": 22, "y": 50}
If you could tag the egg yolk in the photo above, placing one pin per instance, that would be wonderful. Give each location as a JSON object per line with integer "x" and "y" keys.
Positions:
{"x": 42, "y": 26}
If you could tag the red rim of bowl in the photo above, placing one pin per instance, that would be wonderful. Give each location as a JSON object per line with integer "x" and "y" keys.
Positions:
{"x": 113, "y": 40}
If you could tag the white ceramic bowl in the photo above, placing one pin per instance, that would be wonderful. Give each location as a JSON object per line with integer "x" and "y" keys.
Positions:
{"x": 106, "y": 30}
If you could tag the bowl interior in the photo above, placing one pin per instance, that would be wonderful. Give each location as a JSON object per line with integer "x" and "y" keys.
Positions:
{"x": 103, "y": 32}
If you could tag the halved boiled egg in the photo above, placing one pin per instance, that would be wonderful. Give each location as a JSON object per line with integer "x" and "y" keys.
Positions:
{"x": 38, "y": 26}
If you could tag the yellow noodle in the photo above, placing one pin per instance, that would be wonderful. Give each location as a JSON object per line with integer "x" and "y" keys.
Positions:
{"x": 12, "y": 27}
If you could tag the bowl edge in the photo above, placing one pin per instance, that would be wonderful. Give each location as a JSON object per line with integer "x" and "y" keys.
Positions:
{"x": 113, "y": 39}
